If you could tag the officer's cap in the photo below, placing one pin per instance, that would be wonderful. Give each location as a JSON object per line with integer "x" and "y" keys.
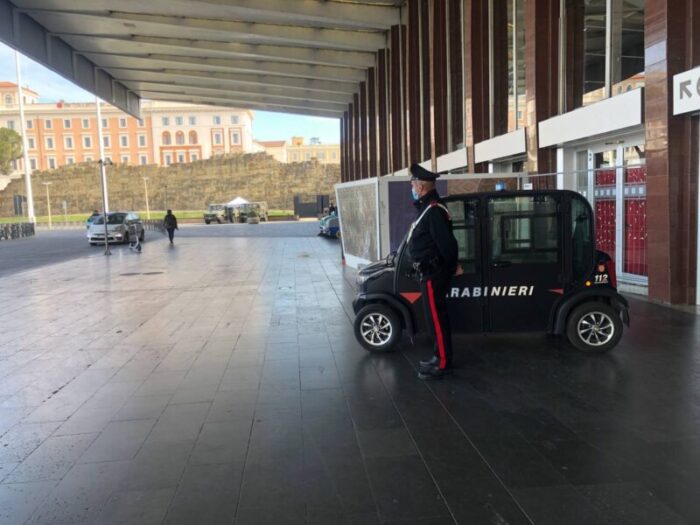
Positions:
{"x": 418, "y": 172}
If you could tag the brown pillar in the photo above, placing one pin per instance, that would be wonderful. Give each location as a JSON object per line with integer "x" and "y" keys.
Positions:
{"x": 541, "y": 81}
{"x": 439, "y": 75}
{"x": 351, "y": 142}
{"x": 413, "y": 84}
{"x": 456, "y": 109}
{"x": 372, "y": 122}
{"x": 671, "y": 46}
{"x": 382, "y": 106}
{"x": 501, "y": 46}
{"x": 397, "y": 96}
{"x": 425, "y": 79}
{"x": 476, "y": 78}
{"x": 357, "y": 171}
{"x": 343, "y": 148}
{"x": 364, "y": 138}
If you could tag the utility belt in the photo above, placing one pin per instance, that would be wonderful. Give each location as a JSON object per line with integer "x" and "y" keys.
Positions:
{"x": 426, "y": 268}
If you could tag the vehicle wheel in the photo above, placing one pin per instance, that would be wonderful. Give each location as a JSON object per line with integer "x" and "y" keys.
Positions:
{"x": 207, "y": 222}
{"x": 594, "y": 327}
{"x": 377, "y": 328}
{"x": 218, "y": 221}
{"x": 337, "y": 234}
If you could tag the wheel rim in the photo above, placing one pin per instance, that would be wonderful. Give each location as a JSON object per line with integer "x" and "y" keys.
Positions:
{"x": 596, "y": 328}
{"x": 376, "y": 329}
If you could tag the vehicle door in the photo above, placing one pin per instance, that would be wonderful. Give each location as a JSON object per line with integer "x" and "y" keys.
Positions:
{"x": 465, "y": 298}
{"x": 523, "y": 259}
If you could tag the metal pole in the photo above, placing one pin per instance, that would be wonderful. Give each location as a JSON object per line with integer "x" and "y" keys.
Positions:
{"x": 103, "y": 174}
{"x": 25, "y": 147}
{"x": 145, "y": 187}
{"x": 48, "y": 203}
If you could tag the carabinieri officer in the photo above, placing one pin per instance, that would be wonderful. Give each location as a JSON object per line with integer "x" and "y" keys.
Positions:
{"x": 434, "y": 252}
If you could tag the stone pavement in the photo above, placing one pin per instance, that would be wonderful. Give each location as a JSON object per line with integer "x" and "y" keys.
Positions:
{"x": 218, "y": 381}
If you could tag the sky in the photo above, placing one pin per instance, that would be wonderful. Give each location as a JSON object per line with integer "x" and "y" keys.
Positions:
{"x": 266, "y": 126}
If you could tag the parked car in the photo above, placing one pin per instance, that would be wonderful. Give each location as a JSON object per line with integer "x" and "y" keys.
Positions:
{"x": 216, "y": 213}
{"x": 330, "y": 226}
{"x": 530, "y": 264}
{"x": 120, "y": 226}
{"x": 245, "y": 209}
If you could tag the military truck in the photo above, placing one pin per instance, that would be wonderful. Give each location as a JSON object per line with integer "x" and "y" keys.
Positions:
{"x": 259, "y": 207}
{"x": 216, "y": 213}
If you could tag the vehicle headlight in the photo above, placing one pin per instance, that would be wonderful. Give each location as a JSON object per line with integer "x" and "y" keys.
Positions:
{"x": 360, "y": 279}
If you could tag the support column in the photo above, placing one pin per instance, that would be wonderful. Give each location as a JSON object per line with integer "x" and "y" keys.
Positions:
{"x": 541, "y": 82}
{"x": 372, "y": 121}
{"x": 398, "y": 137}
{"x": 439, "y": 75}
{"x": 364, "y": 138}
{"x": 425, "y": 29}
{"x": 357, "y": 171}
{"x": 456, "y": 78}
{"x": 351, "y": 142}
{"x": 413, "y": 84}
{"x": 344, "y": 147}
{"x": 671, "y": 46}
{"x": 476, "y": 78}
{"x": 382, "y": 106}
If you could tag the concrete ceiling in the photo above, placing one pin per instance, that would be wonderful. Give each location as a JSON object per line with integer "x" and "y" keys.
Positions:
{"x": 296, "y": 56}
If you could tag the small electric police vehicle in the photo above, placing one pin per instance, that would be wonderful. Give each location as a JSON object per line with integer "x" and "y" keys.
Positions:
{"x": 530, "y": 264}
{"x": 329, "y": 226}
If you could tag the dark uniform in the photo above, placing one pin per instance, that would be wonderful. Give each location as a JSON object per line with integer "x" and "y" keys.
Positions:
{"x": 434, "y": 253}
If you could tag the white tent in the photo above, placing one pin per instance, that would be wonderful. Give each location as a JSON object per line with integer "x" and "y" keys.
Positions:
{"x": 237, "y": 202}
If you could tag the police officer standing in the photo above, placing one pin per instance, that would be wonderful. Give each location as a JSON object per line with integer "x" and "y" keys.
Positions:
{"x": 434, "y": 253}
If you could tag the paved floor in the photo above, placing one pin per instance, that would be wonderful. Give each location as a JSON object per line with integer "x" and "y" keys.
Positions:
{"x": 218, "y": 381}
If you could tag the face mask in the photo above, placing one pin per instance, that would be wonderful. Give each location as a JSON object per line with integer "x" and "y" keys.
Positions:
{"x": 414, "y": 194}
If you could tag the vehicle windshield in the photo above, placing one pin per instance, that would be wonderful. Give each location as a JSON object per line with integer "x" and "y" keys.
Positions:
{"x": 112, "y": 218}
{"x": 216, "y": 207}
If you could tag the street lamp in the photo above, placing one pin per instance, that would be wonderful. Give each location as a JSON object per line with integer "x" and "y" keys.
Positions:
{"x": 145, "y": 187}
{"x": 48, "y": 202}
{"x": 105, "y": 162}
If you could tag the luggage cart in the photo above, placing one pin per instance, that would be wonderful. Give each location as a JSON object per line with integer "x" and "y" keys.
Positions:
{"x": 134, "y": 239}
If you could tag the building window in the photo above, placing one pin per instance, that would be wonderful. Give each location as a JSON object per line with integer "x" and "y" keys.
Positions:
{"x": 168, "y": 159}
{"x": 122, "y": 122}
{"x": 66, "y": 123}
{"x": 217, "y": 139}
{"x": 88, "y": 158}
{"x": 125, "y": 159}
{"x": 30, "y": 124}
{"x": 68, "y": 142}
{"x": 165, "y": 121}
{"x": 49, "y": 143}
{"x": 87, "y": 142}
{"x": 32, "y": 164}
{"x": 48, "y": 124}
{"x": 193, "y": 157}
{"x": 105, "y": 123}
{"x": 8, "y": 100}
{"x": 334, "y": 155}
{"x": 193, "y": 121}
{"x": 141, "y": 123}
{"x": 235, "y": 137}
{"x": 179, "y": 138}
{"x": 108, "y": 158}
{"x": 181, "y": 158}
{"x": 235, "y": 119}
{"x": 607, "y": 55}
{"x": 124, "y": 141}
{"x": 142, "y": 141}
{"x": 216, "y": 119}
{"x": 193, "y": 137}
{"x": 321, "y": 155}
{"x": 30, "y": 143}
{"x": 52, "y": 163}
{"x": 166, "y": 138}
{"x": 86, "y": 123}
{"x": 143, "y": 160}
{"x": 179, "y": 121}
{"x": 307, "y": 156}
{"x": 10, "y": 124}
{"x": 105, "y": 141}
{"x": 70, "y": 160}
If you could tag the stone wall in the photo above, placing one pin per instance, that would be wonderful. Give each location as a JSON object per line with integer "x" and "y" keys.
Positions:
{"x": 256, "y": 177}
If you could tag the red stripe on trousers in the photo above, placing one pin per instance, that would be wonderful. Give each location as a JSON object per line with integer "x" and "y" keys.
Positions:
{"x": 436, "y": 323}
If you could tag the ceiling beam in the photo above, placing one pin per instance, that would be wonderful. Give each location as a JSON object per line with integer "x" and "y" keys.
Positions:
{"x": 242, "y": 104}
{"x": 218, "y": 64}
{"x": 224, "y": 30}
{"x": 148, "y": 80}
{"x": 240, "y": 79}
{"x": 206, "y": 48}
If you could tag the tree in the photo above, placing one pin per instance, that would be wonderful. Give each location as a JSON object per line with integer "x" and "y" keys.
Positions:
{"x": 10, "y": 149}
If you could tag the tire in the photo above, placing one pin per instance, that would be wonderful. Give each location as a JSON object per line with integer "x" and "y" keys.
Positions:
{"x": 389, "y": 328}
{"x": 601, "y": 340}
{"x": 218, "y": 221}
{"x": 207, "y": 222}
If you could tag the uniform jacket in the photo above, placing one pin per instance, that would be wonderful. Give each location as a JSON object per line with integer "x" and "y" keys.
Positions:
{"x": 433, "y": 236}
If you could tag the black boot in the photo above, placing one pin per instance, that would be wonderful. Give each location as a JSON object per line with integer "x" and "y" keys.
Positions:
{"x": 430, "y": 373}
{"x": 433, "y": 361}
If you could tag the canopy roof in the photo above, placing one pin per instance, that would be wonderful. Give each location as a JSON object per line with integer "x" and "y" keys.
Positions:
{"x": 237, "y": 201}
{"x": 296, "y": 56}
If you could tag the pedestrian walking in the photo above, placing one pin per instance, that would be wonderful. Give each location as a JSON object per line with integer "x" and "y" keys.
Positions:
{"x": 434, "y": 251}
{"x": 170, "y": 223}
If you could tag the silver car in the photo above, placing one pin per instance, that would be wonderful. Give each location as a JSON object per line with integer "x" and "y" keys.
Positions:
{"x": 120, "y": 226}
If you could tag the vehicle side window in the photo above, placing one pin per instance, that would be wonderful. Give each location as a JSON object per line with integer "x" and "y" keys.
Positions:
{"x": 524, "y": 229}
{"x": 581, "y": 240}
{"x": 464, "y": 215}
